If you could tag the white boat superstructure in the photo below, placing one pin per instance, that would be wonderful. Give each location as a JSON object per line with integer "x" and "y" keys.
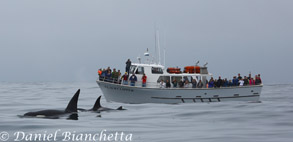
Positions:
{"x": 155, "y": 93}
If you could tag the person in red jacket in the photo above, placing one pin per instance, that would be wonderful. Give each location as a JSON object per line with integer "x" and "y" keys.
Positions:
{"x": 144, "y": 79}
{"x": 125, "y": 78}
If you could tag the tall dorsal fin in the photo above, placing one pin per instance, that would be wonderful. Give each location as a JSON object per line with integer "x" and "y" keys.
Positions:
{"x": 97, "y": 104}
{"x": 72, "y": 105}
{"x": 120, "y": 108}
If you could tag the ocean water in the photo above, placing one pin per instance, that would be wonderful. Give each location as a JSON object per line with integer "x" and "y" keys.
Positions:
{"x": 270, "y": 120}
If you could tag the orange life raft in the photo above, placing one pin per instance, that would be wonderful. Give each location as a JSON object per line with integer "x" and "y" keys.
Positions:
{"x": 192, "y": 69}
{"x": 173, "y": 70}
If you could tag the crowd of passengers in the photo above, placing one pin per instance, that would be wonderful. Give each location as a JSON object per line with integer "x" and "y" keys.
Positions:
{"x": 236, "y": 81}
{"x": 109, "y": 75}
{"x": 116, "y": 77}
{"x": 181, "y": 84}
{"x": 213, "y": 83}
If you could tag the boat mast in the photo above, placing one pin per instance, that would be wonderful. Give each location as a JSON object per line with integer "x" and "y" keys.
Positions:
{"x": 164, "y": 57}
{"x": 158, "y": 36}
{"x": 157, "y": 46}
{"x": 165, "y": 48}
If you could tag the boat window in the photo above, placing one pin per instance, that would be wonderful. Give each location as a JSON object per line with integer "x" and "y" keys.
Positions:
{"x": 189, "y": 78}
{"x": 177, "y": 78}
{"x": 164, "y": 78}
{"x": 157, "y": 70}
{"x": 132, "y": 69}
{"x": 140, "y": 70}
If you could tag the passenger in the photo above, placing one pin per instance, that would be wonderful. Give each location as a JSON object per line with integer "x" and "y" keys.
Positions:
{"x": 114, "y": 75}
{"x": 185, "y": 78}
{"x": 249, "y": 76}
{"x": 174, "y": 82}
{"x": 108, "y": 76}
{"x": 194, "y": 83}
{"x": 219, "y": 82}
{"x": 144, "y": 79}
{"x": 125, "y": 79}
{"x": 162, "y": 84}
{"x": 133, "y": 79}
{"x": 215, "y": 83}
{"x": 225, "y": 83}
{"x": 251, "y": 81}
{"x": 239, "y": 76}
{"x": 100, "y": 72}
{"x": 235, "y": 81}
{"x": 103, "y": 75}
{"x": 199, "y": 84}
{"x": 181, "y": 83}
{"x": 128, "y": 64}
{"x": 109, "y": 69}
{"x": 119, "y": 76}
{"x": 230, "y": 83}
{"x": 168, "y": 84}
{"x": 257, "y": 79}
{"x": 246, "y": 82}
{"x": 241, "y": 82}
{"x": 211, "y": 83}
{"x": 186, "y": 84}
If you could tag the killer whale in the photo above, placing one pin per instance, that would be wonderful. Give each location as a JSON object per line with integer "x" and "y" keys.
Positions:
{"x": 54, "y": 114}
{"x": 98, "y": 107}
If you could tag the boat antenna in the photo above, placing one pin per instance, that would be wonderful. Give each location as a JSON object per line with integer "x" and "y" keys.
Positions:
{"x": 165, "y": 45}
{"x": 196, "y": 63}
{"x": 195, "y": 66}
{"x": 155, "y": 32}
{"x": 158, "y": 36}
{"x": 147, "y": 54}
{"x": 164, "y": 56}
{"x": 205, "y": 64}
{"x": 139, "y": 59}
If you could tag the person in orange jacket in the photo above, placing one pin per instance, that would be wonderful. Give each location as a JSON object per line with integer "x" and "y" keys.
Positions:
{"x": 100, "y": 72}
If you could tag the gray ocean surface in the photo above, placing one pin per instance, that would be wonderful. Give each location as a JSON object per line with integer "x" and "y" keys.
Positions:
{"x": 270, "y": 120}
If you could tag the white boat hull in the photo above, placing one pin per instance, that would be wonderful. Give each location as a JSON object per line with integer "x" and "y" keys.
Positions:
{"x": 136, "y": 95}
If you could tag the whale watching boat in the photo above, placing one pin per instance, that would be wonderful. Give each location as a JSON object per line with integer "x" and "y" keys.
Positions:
{"x": 117, "y": 91}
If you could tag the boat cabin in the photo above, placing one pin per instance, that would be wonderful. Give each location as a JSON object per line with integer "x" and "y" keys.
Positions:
{"x": 155, "y": 73}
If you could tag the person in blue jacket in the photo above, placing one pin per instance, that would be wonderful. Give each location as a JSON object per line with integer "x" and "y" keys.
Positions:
{"x": 225, "y": 82}
{"x": 211, "y": 83}
{"x": 230, "y": 83}
{"x": 108, "y": 76}
{"x": 132, "y": 80}
{"x": 235, "y": 81}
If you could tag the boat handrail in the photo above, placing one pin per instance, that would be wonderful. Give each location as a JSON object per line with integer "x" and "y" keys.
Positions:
{"x": 155, "y": 84}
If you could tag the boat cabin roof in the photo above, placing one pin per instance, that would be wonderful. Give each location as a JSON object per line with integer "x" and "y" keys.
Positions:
{"x": 147, "y": 65}
{"x": 164, "y": 72}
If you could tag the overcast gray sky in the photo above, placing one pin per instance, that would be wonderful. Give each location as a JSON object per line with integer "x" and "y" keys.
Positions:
{"x": 67, "y": 40}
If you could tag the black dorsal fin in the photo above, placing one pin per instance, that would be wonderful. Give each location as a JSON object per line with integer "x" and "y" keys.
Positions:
{"x": 72, "y": 105}
{"x": 120, "y": 108}
{"x": 97, "y": 104}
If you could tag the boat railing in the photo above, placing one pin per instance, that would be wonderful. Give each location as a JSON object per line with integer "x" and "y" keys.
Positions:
{"x": 119, "y": 81}
{"x": 111, "y": 80}
{"x": 153, "y": 84}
